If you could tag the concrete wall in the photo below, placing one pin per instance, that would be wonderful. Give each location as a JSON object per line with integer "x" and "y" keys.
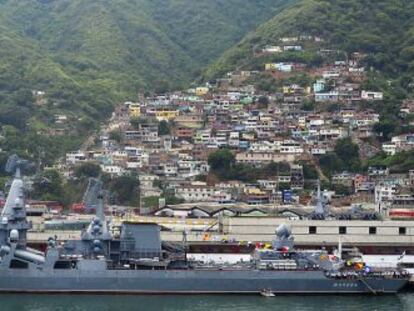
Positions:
{"x": 327, "y": 231}
{"x": 263, "y": 228}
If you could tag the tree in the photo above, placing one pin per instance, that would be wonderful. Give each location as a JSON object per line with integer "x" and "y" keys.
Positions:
{"x": 173, "y": 200}
{"x": 23, "y": 97}
{"x": 309, "y": 171}
{"x": 348, "y": 153}
{"x": 276, "y": 168}
{"x": 385, "y": 129}
{"x": 308, "y": 105}
{"x": 202, "y": 178}
{"x": 162, "y": 86}
{"x": 126, "y": 189}
{"x": 88, "y": 169}
{"x": 342, "y": 190}
{"x": 263, "y": 102}
{"x": 136, "y": 122}
{"x": 48, "y": 186}
{"x": 116, "y": 135}
{"x": 152, "y": 201}
{"x": 163, "y": 128}
{"x": 244, "y": 172}
{"x": 221, "y": 161}
{"x": 330, "y": 163}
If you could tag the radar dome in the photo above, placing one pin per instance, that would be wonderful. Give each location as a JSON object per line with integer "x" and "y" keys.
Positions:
{"x": 283, "y": 231}
{"x": 14, "y": 235}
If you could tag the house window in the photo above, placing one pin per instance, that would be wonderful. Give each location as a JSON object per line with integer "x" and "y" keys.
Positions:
{"x": 342, "y": 230}
{"x": 312, "y": 230}
{"x": 372, "y": 230}
{"x": 402, "y": 230}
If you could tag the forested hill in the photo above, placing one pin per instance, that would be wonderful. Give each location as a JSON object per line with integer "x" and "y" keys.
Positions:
{"x": 87, "y": 55}
{"x": 384, "y": 29}
{"x": 146, "y": 40}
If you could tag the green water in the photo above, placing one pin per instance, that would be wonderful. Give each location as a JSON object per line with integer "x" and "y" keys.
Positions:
{"x": 204, "y": 303}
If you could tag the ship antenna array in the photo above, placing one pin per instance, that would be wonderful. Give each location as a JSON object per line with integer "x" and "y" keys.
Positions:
{"x": 15, "y": 165}
{"x": 94, "y": 193}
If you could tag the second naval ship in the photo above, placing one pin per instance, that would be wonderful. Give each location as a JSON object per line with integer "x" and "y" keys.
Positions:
{"x": 138, "y": 262}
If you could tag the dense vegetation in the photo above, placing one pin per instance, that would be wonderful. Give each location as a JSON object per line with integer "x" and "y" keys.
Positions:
{"x": 383, "y": 29}
{"x": 223, "y": 165}
{"x": 398, "y": 163}
{"x": 88, "y": 55}
{"x": 345, "y": 157}
{"x": 50, "y": 185}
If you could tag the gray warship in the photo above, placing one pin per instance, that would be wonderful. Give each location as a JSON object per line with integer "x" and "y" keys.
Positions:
{"x": 138, "y": 262}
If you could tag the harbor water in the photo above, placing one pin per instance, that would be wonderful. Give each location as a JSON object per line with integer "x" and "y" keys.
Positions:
{"x": 403, "y": 301}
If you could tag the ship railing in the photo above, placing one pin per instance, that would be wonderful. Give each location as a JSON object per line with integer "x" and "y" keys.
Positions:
{"x": 364, "y": 274}
{"x": 145, "y": 253}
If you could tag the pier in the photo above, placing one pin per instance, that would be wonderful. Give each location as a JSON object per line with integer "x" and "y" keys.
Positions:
{"x": 252, "y": 229}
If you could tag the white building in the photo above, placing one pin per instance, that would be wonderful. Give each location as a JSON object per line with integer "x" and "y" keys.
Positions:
{"x": 369, "y": 95}
{"x": 270, "y": 49}
{"x": 291, "y": 146}
{"x": 195, "y": 193}
{"x": 75, "y": 157}
{"x": 327, "y": 97}
{"x": 389, "y": 148}
{"x": 113, "y": 170}
{"x": 385, "y": 192}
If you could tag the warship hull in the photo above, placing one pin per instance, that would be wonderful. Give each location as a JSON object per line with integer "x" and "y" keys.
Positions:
{"x": 190, "y": 282}
{"x": 135, "y": 263}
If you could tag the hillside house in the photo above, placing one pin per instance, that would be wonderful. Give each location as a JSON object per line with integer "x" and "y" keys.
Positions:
{"x": 369, "y": 95}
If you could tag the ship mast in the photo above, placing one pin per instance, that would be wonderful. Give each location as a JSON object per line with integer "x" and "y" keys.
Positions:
{"x": 97, "y": 234}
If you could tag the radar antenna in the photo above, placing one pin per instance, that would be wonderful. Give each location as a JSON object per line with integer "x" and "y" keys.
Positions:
{"x": 93, "y": 194}
{"x": 15, "y": 164}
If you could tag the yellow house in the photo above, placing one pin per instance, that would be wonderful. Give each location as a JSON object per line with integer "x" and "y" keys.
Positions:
{"x": 134, "y": 111}
{"x": 270, "y": 66}
{"x": 201, "y": 91}
{"x": 288, "y": 90}
{"x": 254, "y": 191}
{"x": 166, "y": 114}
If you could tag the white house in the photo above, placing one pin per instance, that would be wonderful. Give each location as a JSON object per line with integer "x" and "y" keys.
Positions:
{"x": 113, "y": 170}
{"x": 389, "y": 148}
{"x": 75, "y": 157}
{"x": 385, "y": 192}
{"x": 369, "y": 95}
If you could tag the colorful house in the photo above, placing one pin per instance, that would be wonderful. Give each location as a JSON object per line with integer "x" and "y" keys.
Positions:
{"x": 201, "y": 91}
{"x": 134, "y": 110}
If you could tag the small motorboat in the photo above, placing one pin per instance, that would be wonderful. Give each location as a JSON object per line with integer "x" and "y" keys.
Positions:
{"x": 267, "y": 293}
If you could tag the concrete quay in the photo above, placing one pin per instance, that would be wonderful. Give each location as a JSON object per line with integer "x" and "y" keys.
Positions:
{"x": 305, "y": 232}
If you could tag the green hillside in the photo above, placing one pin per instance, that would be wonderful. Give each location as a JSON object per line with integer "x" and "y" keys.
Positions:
{"x": 384, "y": 29}
{"x": 88, "y": 55}
{"x": 135, "y": 43}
